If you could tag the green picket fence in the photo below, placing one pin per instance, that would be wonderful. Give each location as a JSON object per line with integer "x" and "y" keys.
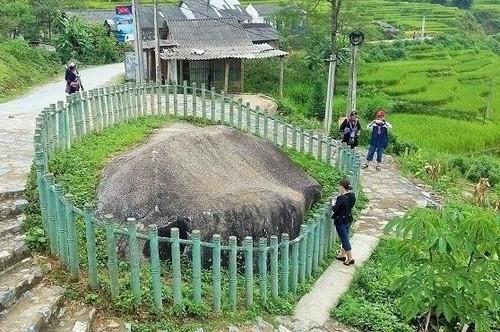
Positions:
{"x": 280, "y": 264}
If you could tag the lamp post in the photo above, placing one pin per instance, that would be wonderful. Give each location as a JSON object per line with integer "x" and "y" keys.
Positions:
{"x": 356, "y": 38}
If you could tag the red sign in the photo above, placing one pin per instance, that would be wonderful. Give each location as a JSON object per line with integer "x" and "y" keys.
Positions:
{"x": 123, "y": 10}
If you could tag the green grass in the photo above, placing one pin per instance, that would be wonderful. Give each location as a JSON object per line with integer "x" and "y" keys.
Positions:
{"x": 22, "y": 67}
{"x": 446, "y": 135}
{"x": 370, "y": 304}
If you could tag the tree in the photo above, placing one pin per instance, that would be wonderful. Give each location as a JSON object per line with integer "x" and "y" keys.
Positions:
{"x": 456, "y": 279}
{"x": 317, "y": 101}
{"x": 464, "y": 4}
{"x": 17, "y": 18}
{"x": 46, "y": 13}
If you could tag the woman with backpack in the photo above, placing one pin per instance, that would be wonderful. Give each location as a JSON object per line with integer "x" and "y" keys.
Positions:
{"x": 342, "y": 206}
{"x": 350, "y": 130}
{"x": 379, "y": 139}
{"x": 73, "y": 81}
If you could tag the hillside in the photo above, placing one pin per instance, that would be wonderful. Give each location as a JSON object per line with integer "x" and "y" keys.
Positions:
{"x": 22, "y": 66}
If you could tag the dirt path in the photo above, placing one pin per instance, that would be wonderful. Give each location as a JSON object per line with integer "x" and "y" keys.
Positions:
{"x": 17, "y": 123}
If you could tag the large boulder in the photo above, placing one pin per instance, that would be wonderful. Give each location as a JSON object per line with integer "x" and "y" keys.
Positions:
{"x": 214, "y": 179}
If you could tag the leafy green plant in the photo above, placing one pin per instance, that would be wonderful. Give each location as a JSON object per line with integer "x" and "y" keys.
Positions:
{"x": 455, "y": 281}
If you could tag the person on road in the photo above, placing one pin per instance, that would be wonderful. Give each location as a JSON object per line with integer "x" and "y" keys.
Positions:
{"x": 73, "y": 80}
{"x": 350, "y": 130}
{"x": 342, "y": 218}
{"x": 379, "y": 140}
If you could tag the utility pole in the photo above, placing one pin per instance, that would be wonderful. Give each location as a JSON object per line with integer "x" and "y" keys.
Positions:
{"x": 356, "y": 38}
{"x": 333, "y": 65}
{"x": 157, "y": 44}
{"x": 138, "y": 42}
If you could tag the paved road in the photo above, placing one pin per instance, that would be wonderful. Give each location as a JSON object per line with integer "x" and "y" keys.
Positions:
{"x": 17, "y": 123}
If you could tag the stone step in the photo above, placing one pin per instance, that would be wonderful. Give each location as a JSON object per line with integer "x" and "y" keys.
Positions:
{"x": 17, "y": 280}
{"x": 12, "y": 250}
{"x": 109, "y": 325}
{"x": 12, "y": 207}
{"x": 11, "y": 225}
{"x": 73, "y": 317}
{"x": 34, "y": 310}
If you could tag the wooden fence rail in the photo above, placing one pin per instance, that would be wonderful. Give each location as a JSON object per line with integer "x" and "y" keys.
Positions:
{"x": 276, "y": 266}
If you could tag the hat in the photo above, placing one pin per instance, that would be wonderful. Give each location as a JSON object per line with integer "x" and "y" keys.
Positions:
{"x": 71, "y": 65}
{"x": 354, "y": 113}
{"x": 380, "y": 114}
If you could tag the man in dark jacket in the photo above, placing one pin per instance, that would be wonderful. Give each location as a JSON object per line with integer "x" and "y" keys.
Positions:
{"x": 379, "y": 140}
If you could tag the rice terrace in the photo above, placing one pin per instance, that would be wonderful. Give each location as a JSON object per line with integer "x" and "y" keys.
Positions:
{"x": 250, "y": 165}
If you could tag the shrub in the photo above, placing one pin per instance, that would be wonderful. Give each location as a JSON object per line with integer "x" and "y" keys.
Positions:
{"x": 317, "y": 101}
{"x": 474, "y": 168}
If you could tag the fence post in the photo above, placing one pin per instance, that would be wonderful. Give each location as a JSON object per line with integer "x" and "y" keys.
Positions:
{"x": 275, "y": 131}
{"x": 52, "y": 213}
{"x": 42, "y": 194}
{"x": 167, "y": 99}
{"x": 310, "y": 251}
{"x": 274, "y": 267}
{"x": 176, "y": 101}
{"x": 196, "y": 257}
{"x": 266, "y": 125}
{"x": 70, "y": 118}
{"x": 112, "y": 257}
{"x": 310, "y": 145}
{"x": 320, "y": 147}
{"x": 151, "y": 90}
{"x": 294, "y": 137}
{"x": 72, "y": 237}
{"x": 176, "y": 267}
{"x": 109, "y": 106}
{"x": 203, "y": 101}
{"x": 284, "y": 142}
{"x": 303, "y": 253}
{"x": 257, "y": 121}
{"x": 62, "y": 232}
{"x": 263, "y": 270}
{"x": 184, "y": 100}
{"x": 285, "y": 273}
{"x": 231, "y": 111}
{"x": 222, "y": 107}
{"x": 91, "y": 247}
{"x": 240, "y": 113}
{"x": 216, "y": 278}
{"x": 248, "y": 118}
{"x": 294, "y": 268}
{"x": 248, "y": 248}
{"x": 193, "y": 95}
{"x": 155, "y": 266}
{"x": 322, "y": 226}
{"x": 301, "y": 140}
{"x": 144, "y": 88}
{"x": 60, "y": 126}
{"x": 316, "y": 246}
{"x": 212, "y": 104}
{"x": 135, "y": 279}
{"x": 159, "y": 92}
{"x": 329, "y": 150}
{"x": 233, "y": 253}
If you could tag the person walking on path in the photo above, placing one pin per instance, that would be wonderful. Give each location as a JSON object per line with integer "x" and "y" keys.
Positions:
{"x": 342, "y": 218}
{"x": 350, "y": 130}
{"x": 73, "y": 80}
{"x": 379, "y": 140}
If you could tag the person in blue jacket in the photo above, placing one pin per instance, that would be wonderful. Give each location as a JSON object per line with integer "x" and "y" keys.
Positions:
{"x": 379, "y": 140}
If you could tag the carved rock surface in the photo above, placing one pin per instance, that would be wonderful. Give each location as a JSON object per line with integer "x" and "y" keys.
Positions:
{"x": 214, "y": 179}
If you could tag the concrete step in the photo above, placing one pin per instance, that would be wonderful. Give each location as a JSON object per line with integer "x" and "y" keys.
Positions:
{"x": 17, "y": 280}
{"x": 12, "y": 250}
{"x": 11, "y": 225}
{"x": 73, "y": 317}
{"x": 12, "y": 207}
{"x": 33, "y": 311}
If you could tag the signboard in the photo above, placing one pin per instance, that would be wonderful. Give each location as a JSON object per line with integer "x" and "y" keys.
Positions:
{"x": 123, "y": 10}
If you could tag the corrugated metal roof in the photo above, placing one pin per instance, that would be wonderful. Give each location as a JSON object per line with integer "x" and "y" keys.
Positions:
{"x": 266, "y": 9}
{"x": 207, "y": 33}
{"x": 201, "y": 9}
{"x": 169, "y": 12}
{"x": 258, "y": 32}
{"x": 259, "y": 51}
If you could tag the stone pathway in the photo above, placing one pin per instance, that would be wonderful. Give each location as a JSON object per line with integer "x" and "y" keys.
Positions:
{"x": 390, "y": 195}
{"x": 17, "y": 123}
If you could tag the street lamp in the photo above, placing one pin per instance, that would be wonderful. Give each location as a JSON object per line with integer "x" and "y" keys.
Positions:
{"x": 356, "y": 38}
